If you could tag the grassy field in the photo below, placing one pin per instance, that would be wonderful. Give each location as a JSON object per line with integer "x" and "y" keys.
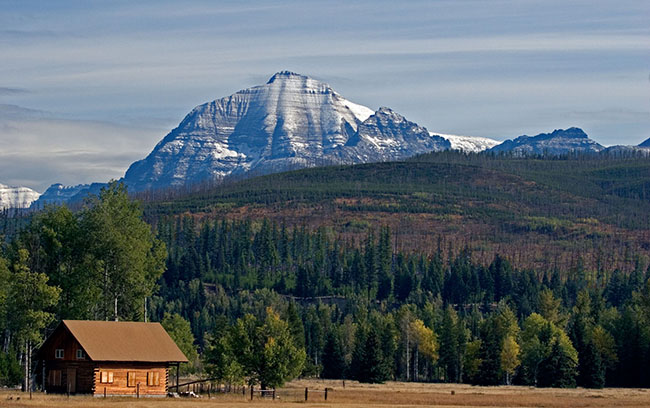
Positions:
{"x": 391, "y": 394}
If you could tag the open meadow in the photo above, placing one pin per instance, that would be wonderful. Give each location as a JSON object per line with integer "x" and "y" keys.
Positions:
{"x": 391, "y": 394}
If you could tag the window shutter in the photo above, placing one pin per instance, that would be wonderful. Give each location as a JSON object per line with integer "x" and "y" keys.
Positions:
{"x": 130, "y": 379}
{"x": 110, "y": 377}
{"x": 156, "y": 376}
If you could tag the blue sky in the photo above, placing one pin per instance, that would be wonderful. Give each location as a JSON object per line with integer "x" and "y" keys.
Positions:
{"x": 87, "y": 87}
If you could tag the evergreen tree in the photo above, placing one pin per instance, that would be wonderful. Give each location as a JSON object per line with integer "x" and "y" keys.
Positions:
{"x": 333, "y": 358}
{"x": 593, "y": 369}
{"x": 451, "y": 345}
{"x": 489, "y": 372}
{"x": 558, "y": 369}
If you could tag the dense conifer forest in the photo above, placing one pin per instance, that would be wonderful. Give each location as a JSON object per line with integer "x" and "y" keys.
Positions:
{"x": 448, "y": 267}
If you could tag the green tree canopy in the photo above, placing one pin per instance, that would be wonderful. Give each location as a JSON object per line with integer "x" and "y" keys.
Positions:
{"x": 180, "y": 331}
{"x": 130, "y": 259}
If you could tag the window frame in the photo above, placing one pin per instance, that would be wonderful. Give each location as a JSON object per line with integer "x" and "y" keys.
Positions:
{"x": 81, "y": 355}
{"x": 153, "y": 378}
{"x": 105, "y": 377}
{"x": 59, "y": 354}
{"x": 131, "y": 379}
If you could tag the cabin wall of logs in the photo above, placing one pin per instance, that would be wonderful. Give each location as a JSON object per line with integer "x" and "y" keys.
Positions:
{"x": 130, "y": 379}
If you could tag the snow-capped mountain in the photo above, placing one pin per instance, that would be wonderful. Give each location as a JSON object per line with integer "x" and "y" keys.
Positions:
{"x": 58, "y": 194}
{"x": 643, "y": 149}
{"x": 468, "y": 144}
{"x": 16, "y": 197}
{"x": 556, "y": 143}
{"x": 292, "y": 121}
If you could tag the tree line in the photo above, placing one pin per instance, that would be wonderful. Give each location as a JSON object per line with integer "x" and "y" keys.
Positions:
{"x": 253, "y": 301}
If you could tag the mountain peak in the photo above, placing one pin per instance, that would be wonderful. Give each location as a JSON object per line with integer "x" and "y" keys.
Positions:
{"x": 385, "y": 110}
{"x": 645, "y": 144}
{"x": 571, "y": 133}
{"x": 558, "y": 142}
{"x": 285, "y": 75}
{"x": 16, "y": 197}
{"x": 293, "y": 121}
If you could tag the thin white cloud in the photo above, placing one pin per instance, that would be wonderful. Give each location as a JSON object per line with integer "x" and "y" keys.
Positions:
{"x": 38, "y": 152}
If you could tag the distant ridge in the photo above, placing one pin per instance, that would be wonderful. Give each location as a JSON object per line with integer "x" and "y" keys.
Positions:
{"x": 555, "y": 143}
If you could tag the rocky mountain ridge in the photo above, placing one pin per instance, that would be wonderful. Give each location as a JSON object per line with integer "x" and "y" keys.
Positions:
{"x": 558, "y": 142}
{"x": 292, "y": 121}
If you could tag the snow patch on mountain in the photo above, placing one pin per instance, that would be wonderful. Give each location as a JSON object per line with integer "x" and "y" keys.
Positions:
{"x": 361, "y": 112}
{"x": 16, "y": 197}
{"x": 58, "y": 194}
{"x": 468, "y": 144}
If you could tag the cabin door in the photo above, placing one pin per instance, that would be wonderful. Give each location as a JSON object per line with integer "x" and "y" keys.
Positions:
{"x": 72, "y": 380}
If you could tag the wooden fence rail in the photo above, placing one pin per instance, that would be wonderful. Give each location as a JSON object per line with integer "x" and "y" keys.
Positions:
{"x": 197, "y": 387}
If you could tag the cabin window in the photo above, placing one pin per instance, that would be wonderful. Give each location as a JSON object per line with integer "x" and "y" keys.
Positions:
{"x": 130, "y": 379}
{"x": 55, "y": 378}
{"x": 80, "y": 354}
{"x": 58, "y": 353}
{"x": 106, "y": 377}
{"x": 153, "y": 378}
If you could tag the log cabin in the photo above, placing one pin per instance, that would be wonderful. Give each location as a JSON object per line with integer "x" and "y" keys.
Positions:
{"x": 108, "y": 358}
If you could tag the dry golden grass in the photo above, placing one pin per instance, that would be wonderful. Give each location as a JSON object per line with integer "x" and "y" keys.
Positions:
{"x": 391, "y": 394}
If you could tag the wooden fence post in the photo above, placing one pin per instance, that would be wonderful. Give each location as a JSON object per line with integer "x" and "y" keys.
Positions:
{"x": 104, "y": 392}
{"x": 326, "y": 393}
{"x": 137, "y": 390}
{"x": 274, "y": 393}
{"x": 252, "y": 387}
{"x": 306, "y": 393}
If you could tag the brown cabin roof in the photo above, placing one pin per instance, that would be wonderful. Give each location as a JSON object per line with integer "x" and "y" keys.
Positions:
{"x": 125, "y": 341}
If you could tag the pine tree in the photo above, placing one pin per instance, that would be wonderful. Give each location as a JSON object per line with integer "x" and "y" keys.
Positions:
{"x": 333, "y": 358}
{"x": 450, "y": 345}
{"x": 593, "y": 369}
{"x": 559, "y": 369}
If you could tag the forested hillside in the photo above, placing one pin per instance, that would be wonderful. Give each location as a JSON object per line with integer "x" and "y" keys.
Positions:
{"x": 535, "y": 211}
{"x": 480, "y": 269}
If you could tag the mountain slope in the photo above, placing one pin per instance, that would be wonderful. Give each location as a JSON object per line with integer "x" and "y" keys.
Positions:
{"x": 292, "y": 121}
{"x": 529, "y": 208}
{"x": 468, "y": 144}
{"x": 16, "y": 197}
{"x": 555, "y": 143}
{"x": 58, "y": 194}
